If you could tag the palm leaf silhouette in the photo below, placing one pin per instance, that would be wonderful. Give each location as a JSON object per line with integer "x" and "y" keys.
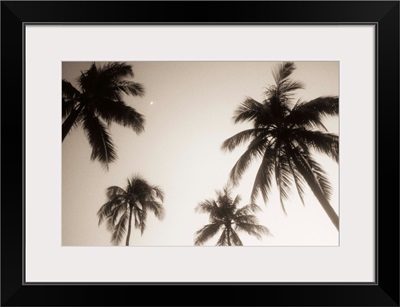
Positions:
{"x": 225, "y": 214}
{"x": 283, "y": 134}
{"x": 99, "y": 102}
{"x": 134, "y": 201}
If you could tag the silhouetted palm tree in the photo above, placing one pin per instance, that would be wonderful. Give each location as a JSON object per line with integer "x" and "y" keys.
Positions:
{"x": 226, "y": 216}
{"x": 282, "y": 135}
{"x": 100, "y": 102}
{"x": 133, "y": 202}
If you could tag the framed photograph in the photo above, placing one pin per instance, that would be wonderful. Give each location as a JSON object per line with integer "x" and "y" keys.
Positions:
{"x": 244, "y": 153}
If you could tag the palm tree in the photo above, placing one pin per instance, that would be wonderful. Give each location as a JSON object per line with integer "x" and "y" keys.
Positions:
{"x": 226, "y": 216}
{"x": 100, "y": 102}
{"x": 283, "y": 135}
{"x": 132, "y": 202}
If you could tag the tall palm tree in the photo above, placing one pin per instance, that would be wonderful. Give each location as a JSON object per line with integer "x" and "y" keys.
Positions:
{"x": 97, "y": 103}
{"x": 283, "y": 135}
{"x": 132, "y": 202}
{"x": 226, "y": 216}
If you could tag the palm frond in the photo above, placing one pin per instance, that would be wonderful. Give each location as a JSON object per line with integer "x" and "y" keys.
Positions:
{"x": 263, "y": 180}
{"x": 114, "y": 191}
{"x": 247, "y": 219}
{"x": 207, "y": 206}
{"x": 111, "y": 82}
{"x": 282, "y": 71}
{"x": 298, "y": 180}
{"x": 247, "y": 209}
{"x": 283, "y": 178}
{"x": 158, "y": 192}
{"x": 206, "y": 233}
{"x": 288, "y": 86}
{"x": 140, "y": 216}
{"x": 104, "y": 211}
{"x": 304, "y": 118}
{"x": 88, "y": 79}
{"x": 310, "y": 114}
{"x": 117, "y": 111}
{"x": 118, "y": 212}
{"x": 111, "y": 218}
{"x": 255, "y": 230}
{"x": 324, "y": 105}
{"x": 143, "y": 226}
{"x": 231, "y": 143}
{"x": 137, "y": 217}
{"x": 253, "y": 111}
{"x": 139, "y": 187}
{"x": 224, "y": 197}
{"x": 255, "y": 148}
{"x": 223, "y": 239}
{"x": 326, "y": 143}
{"x": 72, "y": 115}
{"x": 116, "y": 70}
{"x": 108, "y": 81}
{"x": 107, "y": 209}
{"x": 129, "y": 88}
{"x": 69, "y": 91}
{"x": 100, "y": 140}
{"x": 244, "y": 217}
{"x": 235, "y": 238}
{"x": 156, "y": 207}
{"x": 321, "y": 176}
{"x": 311, "y": 170}
{"x": 236, "y": 201}
{"x": 70, "y": 98}
{"x": 120, "y": 229}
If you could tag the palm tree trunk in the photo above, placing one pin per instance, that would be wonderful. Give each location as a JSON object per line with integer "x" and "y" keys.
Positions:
{"x": 70, "y": 121}
{"x": 228, "y": 234}
{"x": 308, "y": 174}
{"x": 129, "y": 227}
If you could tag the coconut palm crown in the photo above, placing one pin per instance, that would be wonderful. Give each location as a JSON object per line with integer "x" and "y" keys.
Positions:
{"x": 283, "y": 136}
{"x": 226, "y": 216}
{"x": 98, "y": 103}
{"x": 133, "y": 202}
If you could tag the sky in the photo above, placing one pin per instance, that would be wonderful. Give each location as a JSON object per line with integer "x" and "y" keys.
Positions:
{"x": 188, "y": 107}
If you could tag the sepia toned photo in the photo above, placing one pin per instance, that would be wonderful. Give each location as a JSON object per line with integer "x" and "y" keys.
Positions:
{"x": 222, "y": 148}
{"x": 200, "y": 153}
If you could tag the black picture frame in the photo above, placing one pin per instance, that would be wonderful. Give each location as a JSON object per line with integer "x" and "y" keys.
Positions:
{"x": 383, "y": 14}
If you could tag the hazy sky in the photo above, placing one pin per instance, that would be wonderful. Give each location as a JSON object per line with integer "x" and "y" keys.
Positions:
{"x": 188, "y": 108}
